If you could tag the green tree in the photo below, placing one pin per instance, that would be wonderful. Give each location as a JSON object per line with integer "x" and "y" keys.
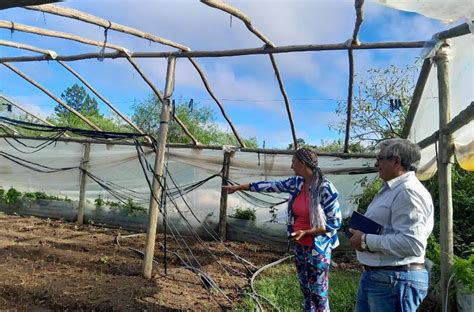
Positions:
{"x": 200, "y": 121}
{"x": 381, "y": 100}
{"x": 76, "y": 97}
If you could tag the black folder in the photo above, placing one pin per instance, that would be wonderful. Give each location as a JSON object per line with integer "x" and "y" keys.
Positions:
{"x": 362, "y": 223}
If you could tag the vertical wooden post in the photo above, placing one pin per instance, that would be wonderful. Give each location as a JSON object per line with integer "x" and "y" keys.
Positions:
{"x": 158, "y": 169}
{"x": 223, "y": 206}
{"x": 82, "y": 188}
{"x": 444, "y": 172}
{"x": 349, "y": 100}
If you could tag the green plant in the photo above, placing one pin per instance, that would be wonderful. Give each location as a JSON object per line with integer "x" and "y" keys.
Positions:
{"x": 464, "y": 271}
{"x": 99, "y": 202}
{"x": 131, "y": 206}
{"x": 104, "y": 259}
{"x": 12, "y": 196}
{"x": 38, "y": 195}
{"x": 244, "y": 214}
{"x": 280, "y": 285}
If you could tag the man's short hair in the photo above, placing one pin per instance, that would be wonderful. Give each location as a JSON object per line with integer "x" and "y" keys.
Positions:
{"x": 408, "y": 152}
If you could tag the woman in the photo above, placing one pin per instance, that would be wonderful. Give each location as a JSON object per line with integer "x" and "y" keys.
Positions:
{"x": 314, "y": 217}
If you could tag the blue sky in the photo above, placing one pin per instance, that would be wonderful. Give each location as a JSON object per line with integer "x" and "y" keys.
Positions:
{"x": 314, "y": 81}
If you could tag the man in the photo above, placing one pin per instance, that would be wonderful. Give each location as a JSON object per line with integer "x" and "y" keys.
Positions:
{"x": 394, "y": 277}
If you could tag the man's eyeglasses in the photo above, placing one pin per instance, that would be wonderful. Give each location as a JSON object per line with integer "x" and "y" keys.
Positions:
{"x": 379, "y": 158}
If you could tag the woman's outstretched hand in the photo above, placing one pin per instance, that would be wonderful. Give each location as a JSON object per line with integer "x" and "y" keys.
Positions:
{"x": 231, "y": 188}
{"x": 234, "y": 188}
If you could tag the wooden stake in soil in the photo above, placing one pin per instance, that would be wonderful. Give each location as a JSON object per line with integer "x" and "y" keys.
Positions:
{"x": 223, "y": 205}
{"x": 82, "y": 189}
{"x": 158, "y": 169}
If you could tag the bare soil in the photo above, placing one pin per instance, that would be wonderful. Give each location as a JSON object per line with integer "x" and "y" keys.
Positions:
{"x": 54, "y": 265}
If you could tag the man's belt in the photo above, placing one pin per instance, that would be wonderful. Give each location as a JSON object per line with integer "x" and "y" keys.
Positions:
{"x": 406, "y": 267}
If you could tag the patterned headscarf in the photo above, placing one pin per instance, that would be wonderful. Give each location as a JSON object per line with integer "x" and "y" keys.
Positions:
{"x": 310, "y": 159}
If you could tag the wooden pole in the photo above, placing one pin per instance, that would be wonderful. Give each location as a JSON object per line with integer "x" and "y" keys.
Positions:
{"x": 287, "y": 100}
{"x": 349, "y": 101}
{"x": 444, "y": 173}
{"x": 223, "y": 206}
{"x": 82, "y": 188}
{"x": 214, "y": 97}
{"x": 219, "y": 53}
{"x": 464, "y": 117}
{"x": 158, "y": 169}
{"x": 417, "y": 94}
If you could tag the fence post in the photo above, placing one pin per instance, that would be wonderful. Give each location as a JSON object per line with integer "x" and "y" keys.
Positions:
{"x": 82, "y": 187}
{"x": 223, "y": 206}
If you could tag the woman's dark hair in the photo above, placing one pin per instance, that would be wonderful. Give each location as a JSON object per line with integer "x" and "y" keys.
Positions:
{"x": 308, "y": 156}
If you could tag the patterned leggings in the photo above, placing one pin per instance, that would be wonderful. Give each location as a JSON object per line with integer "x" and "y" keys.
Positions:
{"x": 313, "y": 274}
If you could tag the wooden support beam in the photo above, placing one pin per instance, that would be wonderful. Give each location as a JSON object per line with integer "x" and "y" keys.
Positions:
{"x": 416, "y": 98}
{"x": 92, "y": 19}
{"x": 223, "y": 202}
{"x": 5, "y": 4}
{"x": 51, "y": 95}
{"x": 158, "y": 170}
{"x": 464, "y": 117}
{"x": 225, "y": 53}
{"x": 457, "y": 31}
{"x": 219, "y": 104}
{"x": 349, "y": 101}
{"x": 28, "y": 47}
{"x": 287, "y": 100}
{"x": 359, "y": 7}
{"x": 445, "y": 159}
{"x": 58, "y": 34}
{"x": 83, "y": 181}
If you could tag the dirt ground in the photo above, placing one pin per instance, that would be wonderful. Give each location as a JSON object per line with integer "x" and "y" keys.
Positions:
{"x": 53, "y": 265}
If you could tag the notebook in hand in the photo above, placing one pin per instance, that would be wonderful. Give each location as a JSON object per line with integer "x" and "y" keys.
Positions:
{"x": 364, "y": 224}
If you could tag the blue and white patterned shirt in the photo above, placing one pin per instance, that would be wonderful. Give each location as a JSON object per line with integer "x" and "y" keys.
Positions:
{"x": 328, "y": 199}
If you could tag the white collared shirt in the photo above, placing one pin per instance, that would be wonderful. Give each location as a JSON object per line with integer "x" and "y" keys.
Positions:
{"x": 405, "y": 209}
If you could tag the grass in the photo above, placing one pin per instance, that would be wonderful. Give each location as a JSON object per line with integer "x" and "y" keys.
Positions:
{"x": 280, "y": 285}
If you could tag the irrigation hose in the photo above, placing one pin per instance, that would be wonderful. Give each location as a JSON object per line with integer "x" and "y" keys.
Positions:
{"x": 254, "y": 293}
